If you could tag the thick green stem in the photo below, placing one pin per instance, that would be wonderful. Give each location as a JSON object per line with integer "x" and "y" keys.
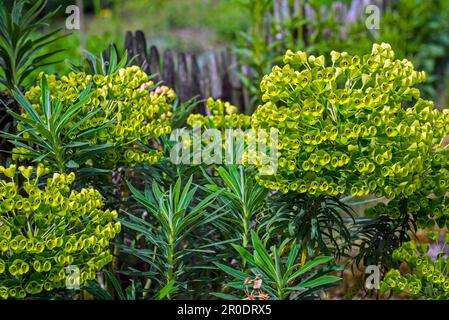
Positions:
{"x": 245, "y": 221}
{"x": 170, "y": 262}
{"x": 60, "y": 163}
{"x": 280, "y": 293}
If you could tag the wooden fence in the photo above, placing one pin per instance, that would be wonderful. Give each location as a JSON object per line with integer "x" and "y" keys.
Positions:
{"x": 210, "y": 74}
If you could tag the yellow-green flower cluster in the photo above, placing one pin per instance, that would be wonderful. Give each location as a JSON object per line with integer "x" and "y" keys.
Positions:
{"x": 139, "y": 110}
{"x": 427, "y": 277}
{"x": 45, "y": 227}
{"x": 355, "y": 125}
{"x": 223, "y": 116}
{"x": 134, "y": 156}
{"x": 223, "y": 127}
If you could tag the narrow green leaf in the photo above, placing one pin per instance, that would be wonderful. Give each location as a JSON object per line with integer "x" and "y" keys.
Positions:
{"x": 235, "y": 273}
{"x": 310, "y": 265}
{"x": 316, "y": 282}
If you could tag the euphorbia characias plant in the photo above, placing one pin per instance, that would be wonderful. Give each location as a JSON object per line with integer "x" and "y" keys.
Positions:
{"x": 126, "y": 106}
{"x": 352, "y": 125}
{"x": 426, "y": 276}
{"x": 46, "y": 227}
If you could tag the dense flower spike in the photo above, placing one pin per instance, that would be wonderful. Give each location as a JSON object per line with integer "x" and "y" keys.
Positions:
{"x": 139, "y": 110}
{"x": 45, "y": 227}
{"x": 224, "y": 116}
{"x": 428, "y": 277}
{"x": 234, "y": 129}
{"x": 355, "y": 125}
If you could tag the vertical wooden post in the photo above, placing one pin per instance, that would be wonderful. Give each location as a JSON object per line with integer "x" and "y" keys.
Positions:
{"x": 182, "y": 85}
{"x": 205, "y": 82}
{"x": 194, "y": 80}
{"x": 215, "y": 80}
{"x": 155, "y": 64}
{"x": 168, "y": 69}
{"x": 129, "y": 47}
{"x": 140, "y": 47}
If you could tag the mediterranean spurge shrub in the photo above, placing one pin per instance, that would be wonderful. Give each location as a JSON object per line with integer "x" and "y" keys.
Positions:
{"x": 427, "y": 277}
{"x": 123, "y": 110}
{"x": 356, "y": 125}
{"x": 46, "y": 228}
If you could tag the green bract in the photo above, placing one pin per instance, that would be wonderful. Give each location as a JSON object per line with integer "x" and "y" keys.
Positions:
{"x": 427, "y": 278}
{"x": 355, "y": 125}
{"x": 47, "y": 229}
{"x": 127, "y": 107}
